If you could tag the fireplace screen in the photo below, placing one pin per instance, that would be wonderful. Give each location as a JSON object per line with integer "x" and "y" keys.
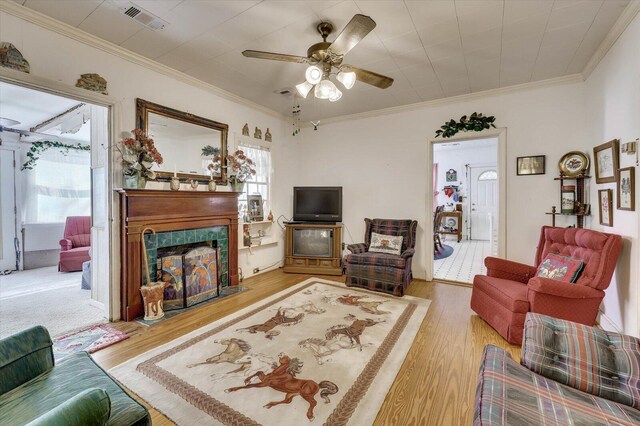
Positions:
{"x": 192, "y": 274}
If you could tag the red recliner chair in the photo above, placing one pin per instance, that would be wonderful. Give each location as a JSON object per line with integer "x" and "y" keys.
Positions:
{"x": 510, "y": 289}
{"x": 75, "y": 246}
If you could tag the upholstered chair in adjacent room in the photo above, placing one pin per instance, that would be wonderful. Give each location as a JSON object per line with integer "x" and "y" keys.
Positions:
{"x": 75, "y": 246}
{"x": 389, "y": 273}
{"x": 510, "y": 289}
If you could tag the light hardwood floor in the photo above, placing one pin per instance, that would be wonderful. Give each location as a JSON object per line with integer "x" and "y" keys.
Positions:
{"x": 437, "y": 381}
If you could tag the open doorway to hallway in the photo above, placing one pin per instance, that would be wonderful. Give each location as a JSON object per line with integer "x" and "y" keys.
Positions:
{"x": 466, "y": 203}
{"x": 53, "y": 192}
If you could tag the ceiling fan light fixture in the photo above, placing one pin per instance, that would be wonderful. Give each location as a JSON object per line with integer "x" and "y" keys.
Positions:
{"x": 313, "y": 74}
{"x": 347, "y": 78}
{"x": 304, "y": 88}
{"x": 336, "y": 96}
{"x": 325, "y": 89}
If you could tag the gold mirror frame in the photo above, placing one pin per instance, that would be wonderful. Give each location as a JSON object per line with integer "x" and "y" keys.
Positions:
{"x": 143, "y": 108}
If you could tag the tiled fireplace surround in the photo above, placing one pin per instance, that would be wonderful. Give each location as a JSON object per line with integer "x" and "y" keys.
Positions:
{"x": 176, "y": 217}
{"x": 161, "y": 240}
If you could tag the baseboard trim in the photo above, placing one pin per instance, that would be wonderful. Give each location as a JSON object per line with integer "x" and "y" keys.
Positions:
{"x": 452, "y": 282}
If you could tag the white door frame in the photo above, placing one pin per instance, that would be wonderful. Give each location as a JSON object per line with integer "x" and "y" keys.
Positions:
{"x": 113, "y": 105}
{"x": 501, "y": 134}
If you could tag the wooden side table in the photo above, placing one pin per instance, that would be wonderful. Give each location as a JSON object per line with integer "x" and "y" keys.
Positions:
{"x": 451, "y": 224}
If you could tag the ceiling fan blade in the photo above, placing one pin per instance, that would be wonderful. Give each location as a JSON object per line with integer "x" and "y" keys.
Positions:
{"x": 275, "y": 56}
{"x": 356, "y": 30}
{"x": 369, "y": 77}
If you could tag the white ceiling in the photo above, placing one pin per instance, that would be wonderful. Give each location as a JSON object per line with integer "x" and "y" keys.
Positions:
{"x": 32, "y": 107}
{"x": 433, "y": 49}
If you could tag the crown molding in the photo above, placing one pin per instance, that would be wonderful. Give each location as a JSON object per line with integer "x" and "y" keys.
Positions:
{"x": 610, "y": 39}
{"x": 500, "y": 91}
{"x": 81, "y": 36}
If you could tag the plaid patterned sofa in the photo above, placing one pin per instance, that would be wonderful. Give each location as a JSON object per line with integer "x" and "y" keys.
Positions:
{"x": 571, "y": 374}
{"x": 379, "y": 271}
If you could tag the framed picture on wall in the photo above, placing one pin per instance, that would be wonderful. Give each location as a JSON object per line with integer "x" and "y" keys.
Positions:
{"x": 607, "y": 161}
{"x": 531, "y": 165}
{"x": 451, "y": 175}
{"x": 605, "y": 206}
{"x": 626, "y": 189}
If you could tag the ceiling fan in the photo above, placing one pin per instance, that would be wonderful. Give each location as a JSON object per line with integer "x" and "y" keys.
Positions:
{"x": 324, "y": 57}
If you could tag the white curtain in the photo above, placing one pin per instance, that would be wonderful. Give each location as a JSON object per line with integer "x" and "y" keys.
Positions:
{"x": 58, "y": 186}
{"x": 259, "y": 184}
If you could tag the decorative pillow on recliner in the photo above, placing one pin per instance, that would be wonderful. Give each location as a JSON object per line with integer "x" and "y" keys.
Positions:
{"x": 388, "y": 244}
{"x": 561, "y": 268}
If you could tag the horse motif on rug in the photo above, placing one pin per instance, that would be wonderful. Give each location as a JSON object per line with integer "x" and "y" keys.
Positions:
{"x": 267, "y": 327}
{"x": 365, "y": 304}
{"x": 305, "y": 308}
{"x": 237, "y": 353}
{"x": 353, "y": 331}
{"x": 283, "y": 379}
{"x": 322, "y": 349}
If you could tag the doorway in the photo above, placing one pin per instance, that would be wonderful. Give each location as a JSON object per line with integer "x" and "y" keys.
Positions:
{"x": 465, "y": 207}
{"x": 54, "y": 211}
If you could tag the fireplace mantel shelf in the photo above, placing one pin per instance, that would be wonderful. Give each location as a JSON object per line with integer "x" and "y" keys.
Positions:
{"x": 165, "y": 211}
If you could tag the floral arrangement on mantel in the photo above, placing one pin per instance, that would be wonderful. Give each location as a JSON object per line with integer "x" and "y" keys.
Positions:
{"x": 39, "y": 147}
{"x": 476, "y": 122}
{"x": 239, "y": 168}
{"x": 139, "y": 153}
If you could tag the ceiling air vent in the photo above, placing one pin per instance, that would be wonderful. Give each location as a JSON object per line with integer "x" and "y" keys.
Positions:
{"x": 144, "y": 17}
{"x": 284, "y": 91}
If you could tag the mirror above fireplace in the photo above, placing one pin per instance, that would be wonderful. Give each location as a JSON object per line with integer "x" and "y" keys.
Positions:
{"x": 181, "y": 137}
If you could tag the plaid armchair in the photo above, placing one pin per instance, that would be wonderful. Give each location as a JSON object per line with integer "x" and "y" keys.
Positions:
{"x": 570, "y": 374}
{"x": 379, "y": 271}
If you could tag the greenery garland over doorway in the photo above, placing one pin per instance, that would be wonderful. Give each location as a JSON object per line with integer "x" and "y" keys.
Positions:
{"x": 476, "y": 122}
{"x": 39, "y": 147}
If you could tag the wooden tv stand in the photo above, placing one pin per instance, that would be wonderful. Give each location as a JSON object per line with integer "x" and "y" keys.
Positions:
{"x": 309, "y": 264}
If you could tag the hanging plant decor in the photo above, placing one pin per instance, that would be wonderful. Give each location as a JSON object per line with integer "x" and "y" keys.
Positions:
{"x": 476, "y": 122}
{"x": 38, "y": 148}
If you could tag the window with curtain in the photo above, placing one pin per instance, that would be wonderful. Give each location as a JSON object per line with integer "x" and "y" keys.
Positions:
{"x": 58, "y": 186}
{"x": 261, "y": 182}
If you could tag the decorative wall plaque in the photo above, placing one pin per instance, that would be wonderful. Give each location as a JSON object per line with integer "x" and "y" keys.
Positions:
{"x": 257, "y": 133}
{"x": 267, "y": 135}
{"x": 245, "y": 129}
{"x": 10, "y": 57}
{"x": 93, "y": 82}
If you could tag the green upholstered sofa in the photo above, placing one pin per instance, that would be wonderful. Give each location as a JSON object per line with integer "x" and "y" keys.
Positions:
{"x": 75, "y": 391}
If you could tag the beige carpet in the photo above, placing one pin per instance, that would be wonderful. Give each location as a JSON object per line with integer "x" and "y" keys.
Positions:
{"x": 317, "y": 351}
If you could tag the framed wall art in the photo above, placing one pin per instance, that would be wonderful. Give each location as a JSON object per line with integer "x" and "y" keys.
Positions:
{"x": 626, "y": 189}
{"x": 255, "y": 208}
{"x": 607, "y": 161}
{"x": 532, "y": 165}
{"x": 451, "y": 175}
{"x": 605, "y": 206}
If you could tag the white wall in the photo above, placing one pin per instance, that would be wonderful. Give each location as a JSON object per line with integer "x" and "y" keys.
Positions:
{"x": 61, "y": 58}
{"x": 381, "y": 161}
{"x": 613, "y": 112}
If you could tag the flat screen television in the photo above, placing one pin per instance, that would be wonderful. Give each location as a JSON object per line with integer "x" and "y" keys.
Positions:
{"x": 317, "y": 203}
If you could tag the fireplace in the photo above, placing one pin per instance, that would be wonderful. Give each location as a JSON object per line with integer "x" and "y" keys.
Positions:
{"x": 182, "y": 221}
{"x": 193, "y": 262}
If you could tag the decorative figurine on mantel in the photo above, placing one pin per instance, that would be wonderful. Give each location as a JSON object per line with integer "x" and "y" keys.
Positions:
{"x": 212, "y": 183}
{"x": 245, "y": 129}
{"x": 257, "y": 133}
{"x": 267, "y": 135}
{"x": 270, "y": 217}
{"x": 194, "y": 184}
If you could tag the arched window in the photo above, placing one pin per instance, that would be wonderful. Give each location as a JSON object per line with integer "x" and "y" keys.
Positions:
{"x": 488, "y": 175}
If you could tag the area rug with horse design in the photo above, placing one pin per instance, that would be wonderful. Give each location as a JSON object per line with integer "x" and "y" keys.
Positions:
{"x": 317, "y": 350}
